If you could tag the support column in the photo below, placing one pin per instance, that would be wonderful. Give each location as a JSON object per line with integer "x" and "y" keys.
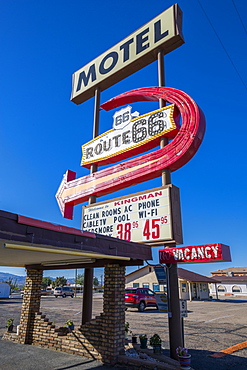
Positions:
{"x": 30, "y": 305}
{"x": 89, "y": 272}
{"x": 216, "y": 291}
{"x": 87, "y": 303}
{"x": 190, "y": 294}
{"x": 174, "y": 319}
{"x": 114, "y": 312}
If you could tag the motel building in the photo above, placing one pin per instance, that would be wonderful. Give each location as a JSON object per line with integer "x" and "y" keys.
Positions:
{"x": 231, "y": 282}
{"x": 191, "y": 285}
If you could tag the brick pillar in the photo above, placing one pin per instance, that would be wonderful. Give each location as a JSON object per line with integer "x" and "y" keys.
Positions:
{"x": 30, "y": 305}
{"x": 114, "y": 312}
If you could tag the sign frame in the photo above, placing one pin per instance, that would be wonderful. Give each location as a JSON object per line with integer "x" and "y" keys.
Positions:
{"x": 139, "y": 49}
{"x": 175, "y": 213}
{"x": 215, "y": 252}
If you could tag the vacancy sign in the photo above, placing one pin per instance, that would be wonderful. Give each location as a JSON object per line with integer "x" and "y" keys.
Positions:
{"x": 146, "y": 217}
{"x": 197, "y": 253}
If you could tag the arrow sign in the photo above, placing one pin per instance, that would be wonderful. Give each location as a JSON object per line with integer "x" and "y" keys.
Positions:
{"x": 178, "y": 152}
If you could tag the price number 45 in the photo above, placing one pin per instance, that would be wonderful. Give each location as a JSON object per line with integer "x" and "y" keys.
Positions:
{"x": 151, "y": 228}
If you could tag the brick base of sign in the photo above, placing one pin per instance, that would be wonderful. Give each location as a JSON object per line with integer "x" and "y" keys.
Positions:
{"x": 101, "y": 339}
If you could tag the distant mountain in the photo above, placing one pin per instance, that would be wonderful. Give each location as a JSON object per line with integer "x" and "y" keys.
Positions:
{"x": 4, "y": 276}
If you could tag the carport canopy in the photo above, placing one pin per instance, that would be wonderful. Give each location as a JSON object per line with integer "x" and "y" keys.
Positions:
{"x": 32, "y": 243}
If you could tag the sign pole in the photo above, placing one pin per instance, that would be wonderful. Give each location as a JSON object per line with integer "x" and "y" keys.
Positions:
{"x": 174, "y": 320}
{"x": 87, "y": 304}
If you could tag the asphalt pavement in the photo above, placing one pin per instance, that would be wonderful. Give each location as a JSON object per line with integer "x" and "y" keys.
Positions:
{"x": 15, "y": 356}
{"x": 210, "y": 327}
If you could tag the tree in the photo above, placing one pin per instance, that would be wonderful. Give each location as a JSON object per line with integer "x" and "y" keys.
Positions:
{"x": 13, "y": 284}
{"x": 95, "y": 281}
{"x": 80, "y": 279}
{"x": 60, "y": 281}
{"x": 46, "y": 282}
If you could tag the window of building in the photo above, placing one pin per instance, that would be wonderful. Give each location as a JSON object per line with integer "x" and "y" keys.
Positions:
{"x": 156, "y": 287}
{"x": 135, "y": 285}
{"x": 145, "y": 285}
{"x": 221, "y": 288}
{"x": 184, "y": 287}
{"x": 236, "y": 289}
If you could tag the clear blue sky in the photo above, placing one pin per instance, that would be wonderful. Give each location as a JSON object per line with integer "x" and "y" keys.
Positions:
{"x": 44, "y": 42}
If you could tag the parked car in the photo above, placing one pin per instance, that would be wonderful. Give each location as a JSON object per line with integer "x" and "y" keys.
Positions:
{"x": 42, "y": 292}
{"x": 63, "y": 291}
{"x": 140, "y": 298}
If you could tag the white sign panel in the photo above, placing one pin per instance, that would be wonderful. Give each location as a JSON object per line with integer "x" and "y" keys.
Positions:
{"x": 183, "y": 308}
{"x": 161, "y": 300}
{"x": 128, "y": 134}
{"x": 142, "y": 217}
{"x": 131, "y": 54}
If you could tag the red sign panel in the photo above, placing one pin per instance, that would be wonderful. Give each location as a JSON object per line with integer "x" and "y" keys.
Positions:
{"x": 196, "y": 253}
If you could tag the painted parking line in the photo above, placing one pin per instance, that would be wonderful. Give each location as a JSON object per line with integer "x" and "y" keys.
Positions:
{"x": 77, "y": 313}
{"x": 218, "y": 318}
{"x": 230, "y": 350}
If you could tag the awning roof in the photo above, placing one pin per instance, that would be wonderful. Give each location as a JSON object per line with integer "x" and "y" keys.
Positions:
{"x": 26, "y": 242}
{"x": 193, "y": 277}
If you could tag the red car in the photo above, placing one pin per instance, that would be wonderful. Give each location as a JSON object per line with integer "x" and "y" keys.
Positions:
{"x": 139, "y": 298}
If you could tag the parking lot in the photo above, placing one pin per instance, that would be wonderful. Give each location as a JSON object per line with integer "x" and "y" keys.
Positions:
{"x": 210, "y": 326}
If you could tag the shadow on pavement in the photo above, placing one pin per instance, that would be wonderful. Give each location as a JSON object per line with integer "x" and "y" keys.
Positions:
{"x": 201, "y": 360}
{"x": 15, "y": 356}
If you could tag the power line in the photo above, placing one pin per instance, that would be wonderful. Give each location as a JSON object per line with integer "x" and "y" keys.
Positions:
{"x": 228, "y": 55}
{"x": 239, "y": 16}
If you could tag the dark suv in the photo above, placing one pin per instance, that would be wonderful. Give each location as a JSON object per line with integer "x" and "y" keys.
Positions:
{"x": 63, "y": 291}
{"x": 140, "y": 298}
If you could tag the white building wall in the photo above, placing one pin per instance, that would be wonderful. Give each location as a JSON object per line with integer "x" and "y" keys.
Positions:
{"x": 189, "y": 290}
{"x": 143, "y": 277}
{"x": 229, "y": 289}
{"x": 4, "y": 290}
{"x": 147, "y": 277}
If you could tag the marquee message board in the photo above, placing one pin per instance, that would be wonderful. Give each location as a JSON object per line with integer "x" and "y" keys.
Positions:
{"x": 151, "y": 217}
{"x": 198, "y": 253}
{"x": 164, "y": 32}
